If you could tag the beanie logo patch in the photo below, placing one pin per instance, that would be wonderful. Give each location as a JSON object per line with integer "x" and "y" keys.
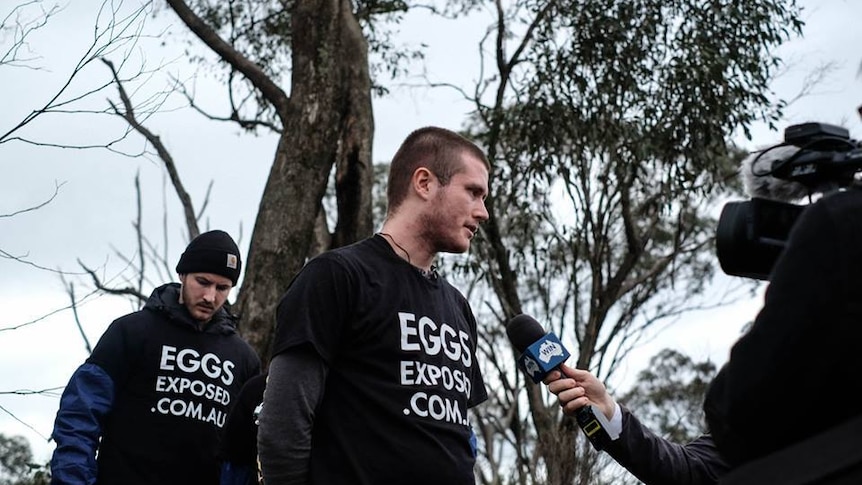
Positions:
{"x": 231, "y": 261}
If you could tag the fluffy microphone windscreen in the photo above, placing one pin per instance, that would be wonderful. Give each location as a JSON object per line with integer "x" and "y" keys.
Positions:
{"x": 756, "y": 171}
{"x": 523, "y": 330}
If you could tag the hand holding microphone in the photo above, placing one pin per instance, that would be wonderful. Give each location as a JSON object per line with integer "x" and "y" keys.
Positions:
{"x": 542, "y": 357}
{"x": 541, "y": 352}
{"x": 578, "y": 388}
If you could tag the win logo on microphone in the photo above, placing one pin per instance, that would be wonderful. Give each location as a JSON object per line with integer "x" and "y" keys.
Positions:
{"x": 543, "y": 356}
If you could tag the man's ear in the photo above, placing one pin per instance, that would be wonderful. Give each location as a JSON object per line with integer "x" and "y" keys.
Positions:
{"x": 423, "y": 182}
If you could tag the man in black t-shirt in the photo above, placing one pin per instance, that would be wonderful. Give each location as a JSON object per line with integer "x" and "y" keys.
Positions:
{"x": 374, "y": 360}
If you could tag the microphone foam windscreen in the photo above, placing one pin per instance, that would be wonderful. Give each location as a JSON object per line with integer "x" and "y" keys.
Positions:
{"x": 523, "y": 330}
{"x": 755, "y": 170}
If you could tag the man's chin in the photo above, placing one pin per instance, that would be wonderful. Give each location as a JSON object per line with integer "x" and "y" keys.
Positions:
{"x": 458, "y": 247}
{"x": 202, "y": 314}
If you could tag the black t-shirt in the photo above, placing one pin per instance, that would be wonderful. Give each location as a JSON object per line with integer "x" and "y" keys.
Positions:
{"x": 401, "y": 352}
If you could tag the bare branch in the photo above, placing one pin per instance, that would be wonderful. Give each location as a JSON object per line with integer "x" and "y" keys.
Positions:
{"x": 813, "y": 79}
{"x": 40, "y": 205}
{"x": 246, "y": 124}
{"x": 270, "y": 90}
{"x": 47, "y": 315}
{"x": 21, "y": 29}
{"x": 140, "y": 233}
{"x": 22, "y": 258}
{"x": 51, "y": 391}
{"x": 206, "y": 200}
{"x": 129, "y": 291}
{"x": 16, "y": 418}
{"x": 70, "y": 289}
{"x": 119, "y": 33}
{"x": 164, "y": 154}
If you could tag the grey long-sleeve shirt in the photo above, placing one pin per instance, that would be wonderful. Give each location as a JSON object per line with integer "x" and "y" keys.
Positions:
{"x": 286, "y": 419}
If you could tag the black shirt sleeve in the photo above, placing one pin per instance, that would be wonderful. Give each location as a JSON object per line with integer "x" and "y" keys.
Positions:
{"x": 655, "y": 460}
{"x": 239, "y": 438}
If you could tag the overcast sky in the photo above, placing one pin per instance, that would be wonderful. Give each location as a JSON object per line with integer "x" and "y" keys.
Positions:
{"x": 92, "y": 214}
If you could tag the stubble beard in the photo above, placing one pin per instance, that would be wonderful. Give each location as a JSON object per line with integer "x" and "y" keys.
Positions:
{"x": 431, "y": 231}
{"x": 193, "y": 307}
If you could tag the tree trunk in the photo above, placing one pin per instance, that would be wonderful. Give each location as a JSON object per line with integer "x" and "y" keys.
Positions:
{"x": 328, "y": 121}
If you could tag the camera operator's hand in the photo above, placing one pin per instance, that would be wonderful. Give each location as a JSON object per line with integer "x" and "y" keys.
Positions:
{"x": 576, "y": 388}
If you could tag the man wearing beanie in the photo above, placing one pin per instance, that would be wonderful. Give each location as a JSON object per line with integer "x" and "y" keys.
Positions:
{"x": 147, "y": 406}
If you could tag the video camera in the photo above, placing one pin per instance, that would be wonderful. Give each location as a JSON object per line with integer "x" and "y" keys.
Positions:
{"x": 815, "y": 158}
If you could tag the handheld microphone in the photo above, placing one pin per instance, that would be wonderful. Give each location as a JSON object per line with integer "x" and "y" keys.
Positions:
{"x": 540, "y": 352}
{"x": 543, "y": 352}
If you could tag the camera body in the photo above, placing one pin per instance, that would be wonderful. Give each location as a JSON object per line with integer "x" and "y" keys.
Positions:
{"x": 751, "y": 234}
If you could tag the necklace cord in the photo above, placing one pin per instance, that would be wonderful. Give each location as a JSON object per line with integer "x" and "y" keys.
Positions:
{"x": 432, "y": 274}
{"x": 397, "y": 245}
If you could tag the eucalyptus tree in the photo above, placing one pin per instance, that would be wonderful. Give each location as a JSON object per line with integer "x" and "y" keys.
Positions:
{"x": 301, "y": 70}
{"x": 17, "y": 465}
{"x": 608, "y": 124}
{"x": 669, "y": 394}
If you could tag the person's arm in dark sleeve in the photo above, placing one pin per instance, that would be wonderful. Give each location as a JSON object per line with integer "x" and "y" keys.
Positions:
{"x": 657, "y": 461}
{"x": 85, "y": 402}
{"x": 293, "y": 391}
{"x": 235, "y": 474}
{"x": 802, "y": 311}
{"x": 651, "y": 458}
{"x": 238, "y": 447}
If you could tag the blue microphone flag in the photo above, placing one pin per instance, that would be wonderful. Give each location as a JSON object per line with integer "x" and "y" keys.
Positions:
{"x": 543, "y": 356}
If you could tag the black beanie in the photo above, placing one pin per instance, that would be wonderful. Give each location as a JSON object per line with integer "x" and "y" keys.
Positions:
{"x": 212, "y": 252}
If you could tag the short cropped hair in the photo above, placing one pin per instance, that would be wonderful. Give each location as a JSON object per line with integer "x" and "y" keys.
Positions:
{"x": 434, "y": 148}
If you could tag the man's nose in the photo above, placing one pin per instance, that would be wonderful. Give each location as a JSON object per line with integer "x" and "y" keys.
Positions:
{"x": 482, "y": 214}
